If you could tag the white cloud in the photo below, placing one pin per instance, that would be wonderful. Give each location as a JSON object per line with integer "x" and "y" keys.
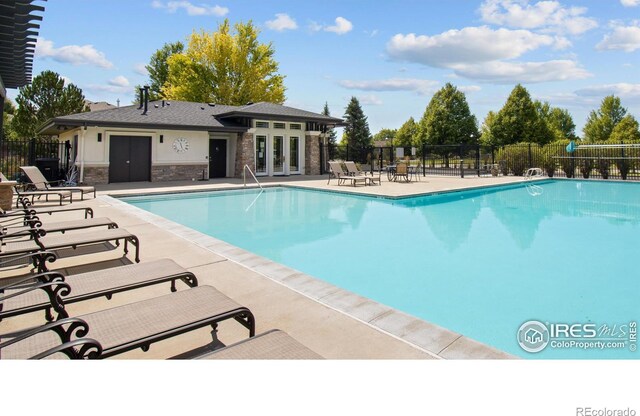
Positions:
{"x": 469, "y": 88}
{"x": 369, "y": 99}
{"x": 526, "y": 72}
{"x": 72, "y": 54}
{"x": 465, "y": 46}
{"x": 190, "y": 8}
{"x": 544, "y": 15}
{"x": 281, "y": 23}
{"x": 140, "y": 69}
{"x": 341, "y": 27}
{"x": 119, "y": 81}
{"x": 315, "y": 26}
{"x": 622, "y": 90}
{"x": 421, "y": 86}
{"x": 625, "y": 38}
{"x": 630, "y": 3}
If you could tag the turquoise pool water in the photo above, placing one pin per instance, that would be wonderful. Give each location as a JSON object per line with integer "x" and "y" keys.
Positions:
{"x": 477, "y": 262}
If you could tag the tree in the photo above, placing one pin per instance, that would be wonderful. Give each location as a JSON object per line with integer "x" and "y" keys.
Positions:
{"x": 225, "y": 67}
{"x": 601, "y": 123}
{"x": 407, "y": 134}
{"x": 45, "y": 98}
{"x": 385, "y": 134}
{"x": 7, "y": 116}
{"x": 626, "y": 130}
{"x": 559, "y": 123}
{"x": 486, "y": 137}
{"x": 356, "y": 131}
{"x": 332, "y": 136}
{"x": 447, "y": 119}
{"x": 519, "y": 121}
{"x": 158, "y": 69}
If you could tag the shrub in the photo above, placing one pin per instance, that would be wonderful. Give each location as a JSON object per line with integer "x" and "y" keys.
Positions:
{"x": 516, "y": 157}
{"x": 586, "y": 166}
{"x": 603, "y": 167}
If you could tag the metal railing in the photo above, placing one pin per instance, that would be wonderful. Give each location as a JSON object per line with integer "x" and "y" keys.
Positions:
{"x": 51, "y": 156}
{"x": 244, "y": 176}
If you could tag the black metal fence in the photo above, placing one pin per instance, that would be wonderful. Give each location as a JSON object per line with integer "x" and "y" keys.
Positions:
{"x": 605, "y": 161}
{"x": 52, "y": 157}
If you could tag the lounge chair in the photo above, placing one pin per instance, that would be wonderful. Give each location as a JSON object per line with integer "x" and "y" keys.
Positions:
{"x": 55, "y": 242}
{"x": 30, "y": 210}
{"x": 124, "y": 328}
{"x": 35, "y": 225}
{"x": 62, "y": 194}
{"x": 84, "y": 286}
{"x": 337, "y": 172}
{"x": 42, "y": 184}
{"x": 354, "y": 170}
{"x": 271, "y": 345}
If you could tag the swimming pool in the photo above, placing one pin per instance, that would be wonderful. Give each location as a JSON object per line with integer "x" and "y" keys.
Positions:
{"x": 478, "y": 262}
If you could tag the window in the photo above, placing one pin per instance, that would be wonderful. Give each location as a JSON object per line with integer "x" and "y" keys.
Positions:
{"x": 279, "y": 125}
{"x": 295, "y": 126}
{"x": 262, "y": 124}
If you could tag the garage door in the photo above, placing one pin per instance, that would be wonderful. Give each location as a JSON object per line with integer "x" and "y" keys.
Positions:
{"x": 129, "y": 159}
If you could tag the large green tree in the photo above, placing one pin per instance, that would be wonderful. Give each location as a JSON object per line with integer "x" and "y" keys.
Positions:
{"x": 519, "y": 121}
{"x": 385, "y": 134}
{"x": 447, "y": 119}
{"x": 626, "y": 130}
{"x": 601, "y": 122}
{"x": 407, "y": 134}
{"x": 7, "y": 117}
{"x": 226, "y": 67}
{"x": 356, "y": 132}
{"x": 46, "y": 97}
{"x": 158, "y": 69}
{"x": 486, "y": 137}
{"x": 559, "y": 123}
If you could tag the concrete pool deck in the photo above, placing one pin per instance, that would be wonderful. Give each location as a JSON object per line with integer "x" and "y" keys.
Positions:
{"x": 333, "y": 322}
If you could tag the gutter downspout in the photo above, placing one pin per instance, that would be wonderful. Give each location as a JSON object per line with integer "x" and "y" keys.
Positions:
{"x": 82, "y": 134}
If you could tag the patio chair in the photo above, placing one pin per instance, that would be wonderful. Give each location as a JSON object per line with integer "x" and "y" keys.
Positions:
{"x": 16, "y": 298}
{"x": 124, "y": 328}
{"x": 35, "y": 225}
{"x": 62, "y": 194}
{"x": 270, "y": 345}
{"x": 402, "y": 171}
{"x": 42, "y": 184}
{"x": 30, "y": 210}
{"x": 55, "y": 242}
{"x": 337, "y": 172}
{"x": 353, "y": 170}
{"x": 415, "y": 171}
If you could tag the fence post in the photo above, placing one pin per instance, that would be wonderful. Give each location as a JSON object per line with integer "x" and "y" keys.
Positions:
{"x": 478, "y": 159}
{"x": 530, "y": 158}
{"x": 32, "y": 152}
{"x": 461, "y": 161}
{"x": 424, "y": 161}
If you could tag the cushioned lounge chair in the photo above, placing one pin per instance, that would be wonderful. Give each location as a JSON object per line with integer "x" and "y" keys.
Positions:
{"x": 42, "y": 184}
{"x": 271, "y": 345}
{"x": 84, "y": 286}
{"x": 61, "y": 194}
{"x": 337, "y": 172}
{"x": 35, "y": 225}
{"x": 55, "y": 242}
{"x": 124, "y": 328}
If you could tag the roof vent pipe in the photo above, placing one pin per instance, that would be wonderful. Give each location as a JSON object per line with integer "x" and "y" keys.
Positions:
{"x": 141, "y": 98}
{"x": 146, "y": 99}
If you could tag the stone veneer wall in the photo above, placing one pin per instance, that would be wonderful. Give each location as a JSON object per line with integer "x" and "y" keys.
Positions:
{"x": 312, "y": 154}
{"x": 245, "y": 153}
{"x": 96, "y": 175}
{"x": 165, "y": 173}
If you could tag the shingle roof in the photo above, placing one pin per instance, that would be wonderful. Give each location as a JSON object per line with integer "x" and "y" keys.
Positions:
{"x": 271, "y": 110}
{"x": 183, "y": 114}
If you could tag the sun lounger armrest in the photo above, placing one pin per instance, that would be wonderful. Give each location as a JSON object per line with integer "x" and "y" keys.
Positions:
{"x": 88, "y": 349}
{"x": 55, "y": 290}
{"x": 39, "y": 259}
{"x": 65, "y": 328}
{"x": 47, "y": 277}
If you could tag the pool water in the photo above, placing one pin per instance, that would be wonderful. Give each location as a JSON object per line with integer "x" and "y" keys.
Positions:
{"x": 477, "y": 262}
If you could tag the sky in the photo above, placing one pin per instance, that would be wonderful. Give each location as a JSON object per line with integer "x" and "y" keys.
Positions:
{"x": 391, "y": 55}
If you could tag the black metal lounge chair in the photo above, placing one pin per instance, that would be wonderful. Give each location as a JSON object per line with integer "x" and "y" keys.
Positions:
{"x": 41, "y": 229}
{"x": 31, "y": 211}
{"x": 55, "y": 242}
{"x": 124, "y": 328}
{"x": 17, "y": 298}
{"x": 62, "y": 194}
{"x": 270, "y": 345}
{"x": 42, "y": 184}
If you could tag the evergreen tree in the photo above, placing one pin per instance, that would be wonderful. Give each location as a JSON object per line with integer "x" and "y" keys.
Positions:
{"x": 601, "y": 123}
{"x": 356, "y": 131}
{"x": 158, "y": 69}
{"x": 519, "y": 121}
{"x": 45, "y": 98}
{"x": 332, "y": 136}
{"x": 447, "y": 119}
{"x": 225, "y": 67}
